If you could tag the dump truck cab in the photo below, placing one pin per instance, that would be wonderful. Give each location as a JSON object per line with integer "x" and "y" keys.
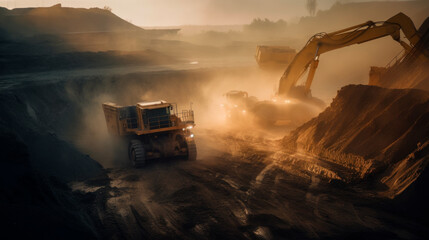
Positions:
{"x": 154, "y": 129}
{"x": 156, "y": 116}
{"x": 236, "y": 97}
{"x": 237, "y": 104}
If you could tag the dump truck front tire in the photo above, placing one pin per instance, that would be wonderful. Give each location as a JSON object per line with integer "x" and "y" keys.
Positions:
{"x": 192, "y": 149}
{"x": 137, "y": 153}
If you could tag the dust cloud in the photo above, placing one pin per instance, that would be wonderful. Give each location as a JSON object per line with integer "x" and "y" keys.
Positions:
{"x": 351, "y": 65}
{"x": 203, "y": 89}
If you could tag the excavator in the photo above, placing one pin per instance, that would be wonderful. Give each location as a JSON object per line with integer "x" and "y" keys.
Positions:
{"x": 294, "y": 103}
{"x": 308, "y": 57}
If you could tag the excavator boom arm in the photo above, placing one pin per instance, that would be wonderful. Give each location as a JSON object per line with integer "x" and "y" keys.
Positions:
{"x": 321, "y": 43}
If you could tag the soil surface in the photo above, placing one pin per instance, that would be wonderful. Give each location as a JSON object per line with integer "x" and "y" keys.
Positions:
{"x": 236, "y": 190}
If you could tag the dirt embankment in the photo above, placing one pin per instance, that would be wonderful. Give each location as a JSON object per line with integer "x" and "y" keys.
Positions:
{"x": 82, "y": 60}
{"x": 35, "y": 166}
{"x": 47, "y": 39}
{"x": 375, "y": 132}
{"x": 47, "y": 153}
{"x": 31, "y": 200}
{"x": 57, "y": 19}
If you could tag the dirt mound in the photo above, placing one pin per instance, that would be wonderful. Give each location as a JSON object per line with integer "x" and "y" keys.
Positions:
{"x": 57, "y": 19}
{"x": 372, "y": 131}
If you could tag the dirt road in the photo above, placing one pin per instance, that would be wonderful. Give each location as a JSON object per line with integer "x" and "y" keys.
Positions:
{"x": 236, "y": 190}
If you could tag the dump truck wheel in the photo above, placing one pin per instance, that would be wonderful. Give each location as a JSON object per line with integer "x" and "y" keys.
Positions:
{"x": 192, "y": 149}
{"x": 137, "y": 153}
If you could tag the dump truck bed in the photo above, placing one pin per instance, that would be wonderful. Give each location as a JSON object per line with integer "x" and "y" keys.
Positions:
{"x": 119, "y": 118}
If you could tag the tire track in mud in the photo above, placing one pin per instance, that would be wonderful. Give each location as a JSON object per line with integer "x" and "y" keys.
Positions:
{"x": 244, "y": 192}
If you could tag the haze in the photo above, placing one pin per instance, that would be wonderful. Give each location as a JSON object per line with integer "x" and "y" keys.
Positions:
{"x": 192, "y": 12}
{"x": 88, "y": 152}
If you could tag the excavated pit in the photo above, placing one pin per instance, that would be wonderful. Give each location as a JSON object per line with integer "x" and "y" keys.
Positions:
{"x": 243, "y": 185}
{"x": 357, "y": 171}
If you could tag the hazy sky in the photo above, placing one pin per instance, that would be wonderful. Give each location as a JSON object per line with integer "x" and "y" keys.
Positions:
{"x": 180, "y": 12}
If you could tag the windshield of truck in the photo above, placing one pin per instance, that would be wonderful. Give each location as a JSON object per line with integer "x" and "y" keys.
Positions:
{"x": 157, "y": 112}
{"x": 156, "y": 118}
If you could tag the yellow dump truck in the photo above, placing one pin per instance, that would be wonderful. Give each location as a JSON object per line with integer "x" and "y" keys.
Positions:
{"x": 155, "y": 130}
